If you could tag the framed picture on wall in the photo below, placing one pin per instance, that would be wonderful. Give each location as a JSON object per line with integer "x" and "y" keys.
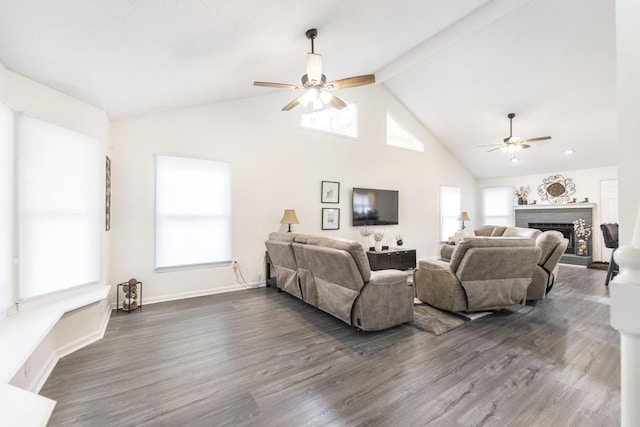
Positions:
{"x": 330, "y": 192}
{"x": 107, "y": 196}
{"x": 330, "y": 218}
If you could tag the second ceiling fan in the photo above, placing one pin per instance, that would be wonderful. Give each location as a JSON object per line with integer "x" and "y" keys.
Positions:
{"x": 314, "y": 83}
{"x": 511, "y": 144}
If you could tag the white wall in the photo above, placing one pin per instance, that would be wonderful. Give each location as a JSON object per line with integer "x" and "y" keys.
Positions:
{"x": 587, "y": 182}
{"x": 276, "y": 165}
{"x": 628, "y": 70}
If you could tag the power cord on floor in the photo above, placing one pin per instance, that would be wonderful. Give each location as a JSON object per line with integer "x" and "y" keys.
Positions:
{"x": 240, "y": 277}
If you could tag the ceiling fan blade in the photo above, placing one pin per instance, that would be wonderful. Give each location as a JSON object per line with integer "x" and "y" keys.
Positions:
{"x": 488, "y": 145}
{"x": 292, "y": 104}
{"x": 351, "y": 82}
{"x": 494, "y": 149}
{"x": 276, "y": 85}
{"x": 337, "y": 103}
{"x": 540, "y": 138}
{"x": 524, "y": 145}
{"x": 314, "y": 67}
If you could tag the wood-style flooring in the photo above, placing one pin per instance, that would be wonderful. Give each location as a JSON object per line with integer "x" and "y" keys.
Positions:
{"x": 262, "y": 358}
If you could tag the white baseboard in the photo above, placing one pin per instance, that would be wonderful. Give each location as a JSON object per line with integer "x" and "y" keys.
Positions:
{"x": 198, "y": 293}
{"x": 42, "y": 376}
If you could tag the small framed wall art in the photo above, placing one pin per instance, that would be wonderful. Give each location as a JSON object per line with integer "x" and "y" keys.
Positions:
{"x": 330, "y": 218}
{"x": 330, "y": 192}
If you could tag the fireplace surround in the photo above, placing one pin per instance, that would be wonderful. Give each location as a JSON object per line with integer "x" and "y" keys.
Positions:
{"x": 560, "y": 218}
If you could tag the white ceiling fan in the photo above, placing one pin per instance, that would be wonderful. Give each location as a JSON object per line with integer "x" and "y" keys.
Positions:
{"x": 511, "y": 144}
{"x": 314, "y": 83}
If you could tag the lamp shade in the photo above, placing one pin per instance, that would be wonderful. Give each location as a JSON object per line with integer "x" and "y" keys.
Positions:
{"x": 464, "y": 217}
{"x": 289, "y": 217}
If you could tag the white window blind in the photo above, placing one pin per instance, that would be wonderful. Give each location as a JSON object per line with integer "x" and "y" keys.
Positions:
{"x": 450, "y": 206}
{"x": 497, "y": 205}
{"x": 193, "y": 212}
{"x": 6, "y": 207}
{"x": 60, "y": 206}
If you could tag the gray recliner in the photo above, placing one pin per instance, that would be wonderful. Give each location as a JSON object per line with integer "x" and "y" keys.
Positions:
{"x": 483, "y": 274}
{"x": 552, "y": 246}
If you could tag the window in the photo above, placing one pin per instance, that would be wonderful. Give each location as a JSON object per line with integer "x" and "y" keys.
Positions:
{"x": 343, "y": 122}
{"x": 450, "y": 207}
{"x": 399, "y": 136}
{"x": 60, "y": 207}
{"x": 6, "y": 207}
{"x": 193, "y": 212}
{"x": 497, "y": 205}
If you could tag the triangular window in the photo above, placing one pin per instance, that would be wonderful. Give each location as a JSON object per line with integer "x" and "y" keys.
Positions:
{"x": 399, "y": 136}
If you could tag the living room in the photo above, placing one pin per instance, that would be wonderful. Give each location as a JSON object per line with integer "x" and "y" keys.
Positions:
{"x": 276, "y": 164}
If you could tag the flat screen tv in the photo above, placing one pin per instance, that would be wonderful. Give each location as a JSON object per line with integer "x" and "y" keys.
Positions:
{"x": 374, "y": 207}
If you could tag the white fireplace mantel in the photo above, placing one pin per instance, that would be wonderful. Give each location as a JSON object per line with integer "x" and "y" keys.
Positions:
{"x": 556, "y": 206}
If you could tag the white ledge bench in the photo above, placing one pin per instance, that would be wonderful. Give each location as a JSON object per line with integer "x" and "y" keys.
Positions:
{"x": 32, "y": 341}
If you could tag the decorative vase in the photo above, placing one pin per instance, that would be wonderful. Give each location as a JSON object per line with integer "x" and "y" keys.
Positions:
{"x": 399, "y": 242}
{"x": 520, "y": 201}
{"x": 377, "y": 246}
{"x": 581, "y": 248}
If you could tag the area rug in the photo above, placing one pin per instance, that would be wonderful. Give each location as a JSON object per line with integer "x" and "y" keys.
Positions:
{"x": 599, "y": 265}
{"x": 438, "y": 322}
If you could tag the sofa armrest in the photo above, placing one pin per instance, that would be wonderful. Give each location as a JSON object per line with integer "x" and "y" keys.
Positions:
{"x": 385, "y": 301}
{"x": 388, "y": 277}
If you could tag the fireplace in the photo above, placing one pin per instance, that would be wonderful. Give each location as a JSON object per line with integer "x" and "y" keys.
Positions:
{"x": 560, "y": 218}
{"x": 565, "y": 229}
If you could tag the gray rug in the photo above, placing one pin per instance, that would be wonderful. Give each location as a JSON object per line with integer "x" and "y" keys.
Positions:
{"x": 438, "y": 322}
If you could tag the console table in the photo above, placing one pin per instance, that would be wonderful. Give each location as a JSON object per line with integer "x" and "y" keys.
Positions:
{"x": 398, "y": 259}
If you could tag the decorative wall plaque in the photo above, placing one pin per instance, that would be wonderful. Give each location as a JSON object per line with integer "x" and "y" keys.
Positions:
{"x": 556, "y": 189}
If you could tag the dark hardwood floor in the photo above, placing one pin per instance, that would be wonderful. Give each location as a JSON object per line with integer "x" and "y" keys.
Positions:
{"x": 258, "y": 357}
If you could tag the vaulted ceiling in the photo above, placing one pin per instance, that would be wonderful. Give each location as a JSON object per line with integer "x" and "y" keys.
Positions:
{"x": 460, "y": 66}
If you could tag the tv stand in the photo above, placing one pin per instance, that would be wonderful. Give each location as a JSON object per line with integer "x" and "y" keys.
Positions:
{"x": 397, "y": 259}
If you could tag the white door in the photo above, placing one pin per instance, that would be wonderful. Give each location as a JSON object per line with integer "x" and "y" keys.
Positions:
{"x": 608, "y": 210}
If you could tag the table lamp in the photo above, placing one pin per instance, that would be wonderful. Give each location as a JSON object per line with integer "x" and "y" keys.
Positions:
{"x": 463, "y": 217}
{"x": 289, "y": 217}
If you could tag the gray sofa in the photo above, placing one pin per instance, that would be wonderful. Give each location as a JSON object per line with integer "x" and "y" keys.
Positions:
{"x": 483, "y": 274}
{"x": 552, "y": 245}
{"x": 334, "y": 276}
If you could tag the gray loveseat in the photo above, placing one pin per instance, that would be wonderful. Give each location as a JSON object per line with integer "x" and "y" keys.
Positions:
{"x": 334, "y": 276}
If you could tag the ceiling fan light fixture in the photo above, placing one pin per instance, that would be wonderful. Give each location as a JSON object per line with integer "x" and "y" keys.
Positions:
{"x": 317, "y": 104}
{"x": 325, "y": 96}
{"x": 511, "y": 148}
{"x": 309, "y": 97}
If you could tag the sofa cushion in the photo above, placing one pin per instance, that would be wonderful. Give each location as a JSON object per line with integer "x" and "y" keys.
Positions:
{"x": 530, "y": 233}
{"x": 467, "y": 232}
{"x": 468, "y": 243}
{"x": 352, "y": 247}
{"x": 490, "y": 230}
{"x": 282, "y": 237}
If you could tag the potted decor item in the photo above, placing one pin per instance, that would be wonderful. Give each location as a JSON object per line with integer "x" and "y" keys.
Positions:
{"x": 399, "y": 241}
{"x": 377, "y": 238}
{"x": 521, "y": 193}
{"x": 365, "y": 232}
{"x": 582, "y": 232}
